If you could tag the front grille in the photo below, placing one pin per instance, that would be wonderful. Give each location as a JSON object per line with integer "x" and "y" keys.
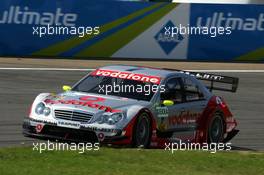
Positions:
{"x": 73, "y": 116}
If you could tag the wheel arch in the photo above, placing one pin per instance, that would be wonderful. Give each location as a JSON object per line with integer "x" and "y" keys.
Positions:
{"x": 152, "y": 123}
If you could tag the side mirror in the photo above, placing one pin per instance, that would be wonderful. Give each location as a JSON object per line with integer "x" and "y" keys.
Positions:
{"x": 168, "y": 103}
{"x": 66, "y": 88}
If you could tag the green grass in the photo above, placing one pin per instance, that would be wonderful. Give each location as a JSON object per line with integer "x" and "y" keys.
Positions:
{"x": 25, "y": 161}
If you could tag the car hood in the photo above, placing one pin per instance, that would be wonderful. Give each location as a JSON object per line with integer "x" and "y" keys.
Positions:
{"x": 92, "y": 103}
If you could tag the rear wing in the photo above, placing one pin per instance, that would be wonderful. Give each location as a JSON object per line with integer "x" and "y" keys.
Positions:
{"x": 216, "y": 82}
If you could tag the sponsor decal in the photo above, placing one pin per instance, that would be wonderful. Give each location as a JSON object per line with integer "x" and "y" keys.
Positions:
{"x": 69, "y": 124}
{"x": 39, "y": 128}
{"x": 96, "y": 128}
{"x": 205, "y": 76}
{"x": 162, "y": 111}
{"x": 219, "y": 19}
{"x": 128, "y": 76}
{"x": 23, "y": 15}
{"x": 101, "y": 136}
{"x": 162, "y": 126}
{"x": 184, "y": 118}
{"x": 87, "y": 101}
{"x": 165, "y": 40}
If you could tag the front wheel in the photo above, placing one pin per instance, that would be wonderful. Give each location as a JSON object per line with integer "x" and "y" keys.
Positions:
{"x": 142, "y": 131}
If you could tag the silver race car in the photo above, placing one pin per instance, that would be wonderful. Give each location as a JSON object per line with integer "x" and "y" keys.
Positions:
{"x": 134, "y": 105}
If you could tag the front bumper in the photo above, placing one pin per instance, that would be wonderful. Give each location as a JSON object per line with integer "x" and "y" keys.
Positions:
{"x": 46, "y": 130}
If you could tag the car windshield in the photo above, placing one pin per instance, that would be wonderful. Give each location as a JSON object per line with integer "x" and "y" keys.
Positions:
{"x": 125, "y": 88}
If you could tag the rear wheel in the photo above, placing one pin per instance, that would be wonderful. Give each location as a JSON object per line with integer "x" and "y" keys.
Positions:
{"x": 142, "y": 131}
{"x": 216, "y": 129}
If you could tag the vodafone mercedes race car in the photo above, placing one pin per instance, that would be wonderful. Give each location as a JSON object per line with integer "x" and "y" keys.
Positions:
{"x": 139, "y": 106}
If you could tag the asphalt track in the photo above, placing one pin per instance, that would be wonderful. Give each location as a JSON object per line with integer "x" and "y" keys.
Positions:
{"x": 18, "y": 89}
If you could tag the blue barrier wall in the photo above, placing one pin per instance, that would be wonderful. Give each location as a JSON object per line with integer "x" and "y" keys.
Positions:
{"x": 108, "y": 28}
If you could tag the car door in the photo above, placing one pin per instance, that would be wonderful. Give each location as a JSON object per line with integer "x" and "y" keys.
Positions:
{"x": 174, "y": 91}
{"x": 189, "y": 103}
{"x": 195, "y": 102}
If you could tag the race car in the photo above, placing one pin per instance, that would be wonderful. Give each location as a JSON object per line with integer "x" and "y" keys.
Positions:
{"x": 138, "y": 106}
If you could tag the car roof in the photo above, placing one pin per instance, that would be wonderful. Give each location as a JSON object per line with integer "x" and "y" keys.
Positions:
{"x": 141, "y": 70}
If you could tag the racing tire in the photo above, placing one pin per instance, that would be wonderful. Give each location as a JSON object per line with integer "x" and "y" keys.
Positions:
{"x": 216, "y": 129}
{"x": 142, "y": 131}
